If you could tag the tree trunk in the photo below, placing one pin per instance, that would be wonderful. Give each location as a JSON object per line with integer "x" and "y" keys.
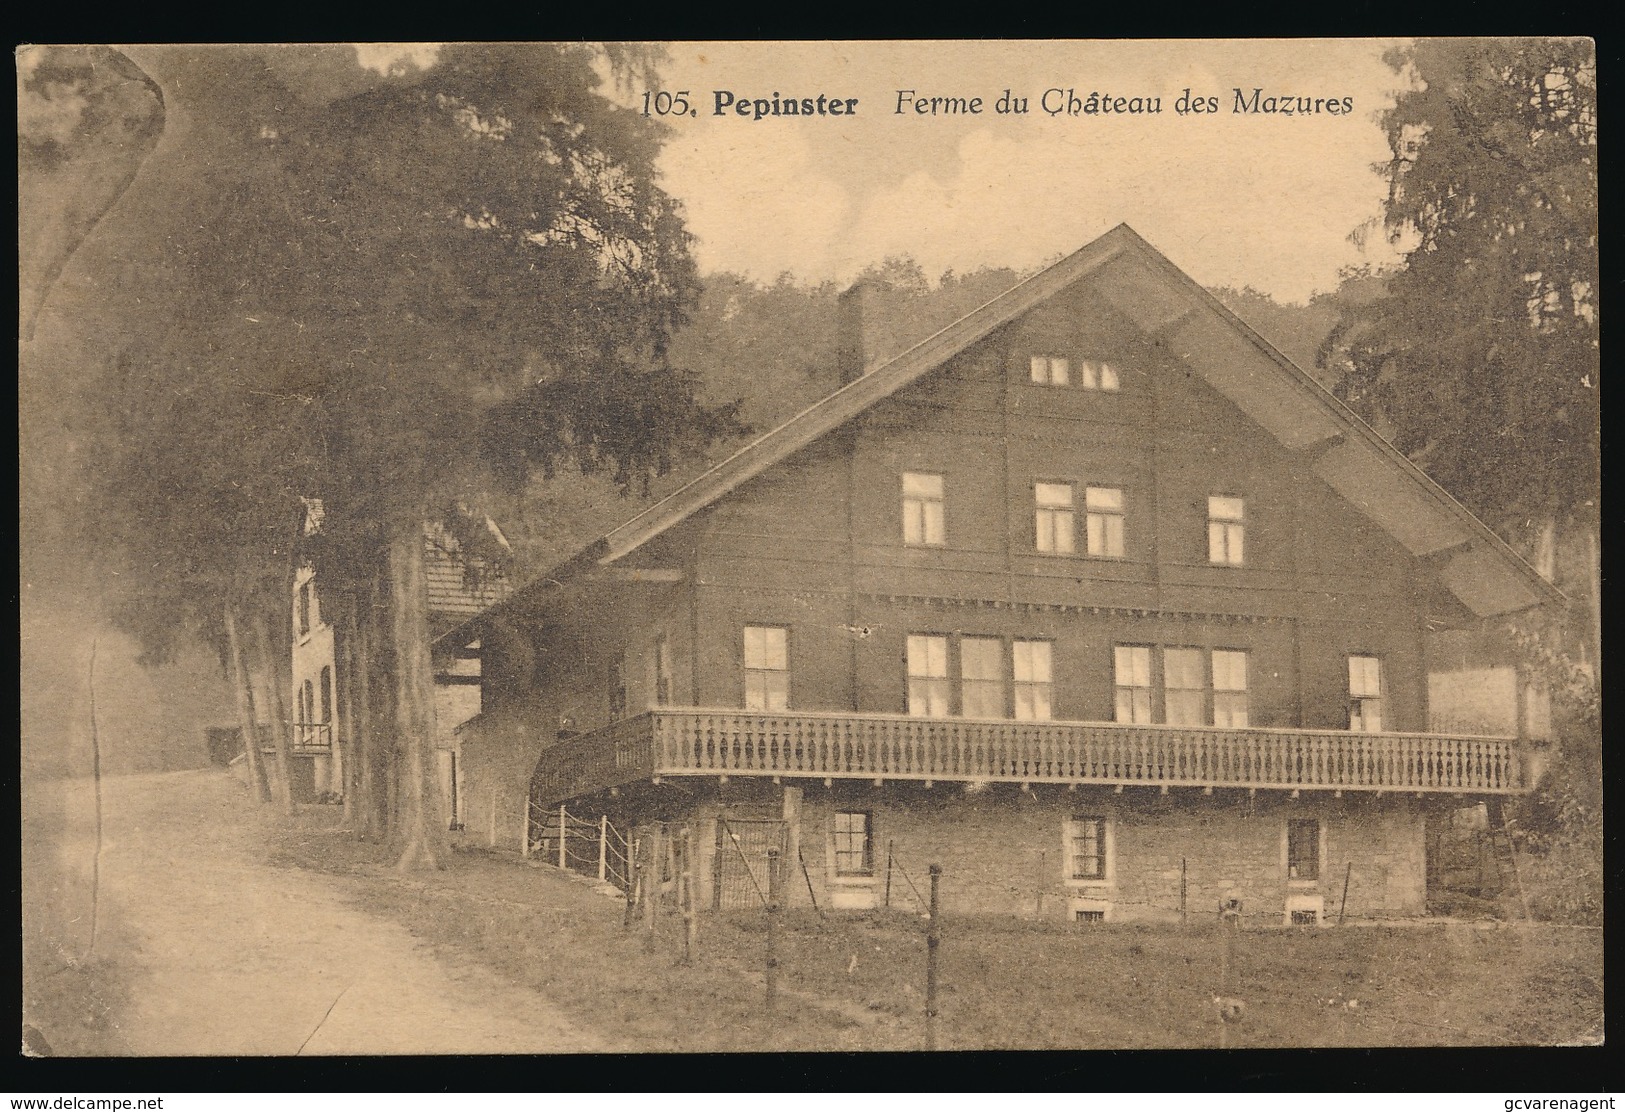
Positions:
{"x": 278, "y": 671}
{"x": 420, "y": 830}
{"x": 257, "y": 785}
{"x": 344, "y": 634}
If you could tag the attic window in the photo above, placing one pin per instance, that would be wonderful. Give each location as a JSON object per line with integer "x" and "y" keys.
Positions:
{"x": 1051, "y": 370}
{"x": 1098, "y": 376}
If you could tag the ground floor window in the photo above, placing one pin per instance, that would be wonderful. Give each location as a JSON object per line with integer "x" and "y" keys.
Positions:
{"x": 1086, "y": 847}
{"x": 853, "y": 843}
{"x": 1303, "y": 849}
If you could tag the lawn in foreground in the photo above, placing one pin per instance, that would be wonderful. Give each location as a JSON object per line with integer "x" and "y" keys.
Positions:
{"x": 856, "y": 982}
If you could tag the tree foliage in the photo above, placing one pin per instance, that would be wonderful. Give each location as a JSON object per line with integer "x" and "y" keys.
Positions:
{"x": 1482, "y": 353}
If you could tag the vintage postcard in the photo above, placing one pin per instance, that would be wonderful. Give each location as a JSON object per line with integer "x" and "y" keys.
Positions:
{"x": 538, "y": 548}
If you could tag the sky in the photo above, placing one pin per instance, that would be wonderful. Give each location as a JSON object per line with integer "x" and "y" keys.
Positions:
{"x": 1237, "y": 199}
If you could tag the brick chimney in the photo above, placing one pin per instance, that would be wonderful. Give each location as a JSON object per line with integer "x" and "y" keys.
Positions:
{"x": 854, "y": 336}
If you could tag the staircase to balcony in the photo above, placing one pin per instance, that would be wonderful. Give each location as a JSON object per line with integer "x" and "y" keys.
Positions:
{"x": 697, "y": 741}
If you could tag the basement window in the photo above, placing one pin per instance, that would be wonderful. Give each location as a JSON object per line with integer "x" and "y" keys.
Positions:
{"x": 1082, "y": 916}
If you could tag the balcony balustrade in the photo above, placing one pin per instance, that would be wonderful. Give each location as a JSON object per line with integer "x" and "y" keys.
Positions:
{"x": 688, "y": 741}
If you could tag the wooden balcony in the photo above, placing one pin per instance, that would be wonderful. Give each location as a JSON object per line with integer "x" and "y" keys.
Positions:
{"x": 688, "y": 741}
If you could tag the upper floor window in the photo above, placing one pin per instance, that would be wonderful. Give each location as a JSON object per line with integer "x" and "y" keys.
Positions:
{"x": 1058, "y": 370}
{"x": 922, "y": 509}
{"x": 1053, "y": 523}
{"x": 1365, "y": 693}
{"x": 1184, "y": 694}
{"x": 927, "y": 675}
{"x": 767, "y": 668}
{"x": 663, "y": 673}
{"x": 1098, "y": 376}
{"x": 303, "y": 608}
{"x": 1226, "y": 530}
{"x": 981, "y": 677}
{"x": 1034, "y": 680}
{"x": 1103, "y": 517}
{"x": 1051, "y": 370}
{"x": 327, "y": 694}
{"x": 1229, "y": 688}
{"x": 1132, "y": 682}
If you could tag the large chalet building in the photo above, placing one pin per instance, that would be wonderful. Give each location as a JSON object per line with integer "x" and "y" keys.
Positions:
{"x": 1092, "y": 598}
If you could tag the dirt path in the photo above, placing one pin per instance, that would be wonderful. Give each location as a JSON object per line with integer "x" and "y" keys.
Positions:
{"x": 242, "y": 958}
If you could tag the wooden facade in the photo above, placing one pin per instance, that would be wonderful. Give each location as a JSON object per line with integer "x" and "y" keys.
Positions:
{"x": 1077, "y": 539}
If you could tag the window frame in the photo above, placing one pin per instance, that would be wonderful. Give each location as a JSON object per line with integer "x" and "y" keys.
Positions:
{"x": 1048, "y": 364}
{"x": 985, "y": 684}
{"x": 942, "y": 684}
{"x": 1105, "y": 515}
{"x": 1055, "y": 515}
{"x": 665, "y": 685}
{"x": 1292, "y": 861}
{"x": 916, "y": 508}
{"x": 1150, "y": 687}
{"x": 1380, "y": 698}
{"x": 1106, "y": 850}
{"x": 1047, "y": 685}
{"x": 866, "y": 849}
{"x": 1231, "y": 551}
{"x": 747, "y": 670}
{"x": 1215, "y": 691}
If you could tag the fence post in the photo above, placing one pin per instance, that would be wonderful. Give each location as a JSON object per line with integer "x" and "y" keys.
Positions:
{"x": 603, "y": 848}
{"x": 524, "y": 830}
{"x": 1043, "y": 876}
{"x": 633, "y": 878}
{"x": 690, "y": 919}
{"x": 651, "y": 884}
{"x": 1184, "y": 905}
{"x": 716, "y": 866}
{"x": 772, "y": 926}
{"x": 891, "y": 843}
{"x": 564, "y": 818}
{"x": 933, "y": 939}
{"x": 1348, "y": 872}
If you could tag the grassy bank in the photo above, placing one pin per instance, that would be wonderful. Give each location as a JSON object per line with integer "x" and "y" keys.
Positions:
{"x": 856, "y": 982}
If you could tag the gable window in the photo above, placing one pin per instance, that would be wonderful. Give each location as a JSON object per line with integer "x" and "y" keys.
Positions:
{"x": 981, "y": 677}
{"x": 1103, "y": 521}
{"x": 663, "y": 675}
{"x": 922, "y": 509}
{"x": 1303, "y": 849}
{"x": 1226, "y": 530}
{"x": 1184, "y": 693}
{"x": 1054, "y": 516}
{"x": 927, "y": 676}
{"x": 767, "y": 668}
{"x": 1229, "y": 688}
{"x": 1034, "y": 682}
{"x": 1097, "y": 376}
{"x": 1365, "y": 694}
{"x": 1051, "y": 370}
{"x": 854, "y": 854}
{"x": 1086, "y": 848}
{"x": 1132, "y": 682}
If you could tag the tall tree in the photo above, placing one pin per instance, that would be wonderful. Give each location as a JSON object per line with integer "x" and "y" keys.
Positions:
{"x": 1481, "y": 356}
{"x": 392, "y": 294}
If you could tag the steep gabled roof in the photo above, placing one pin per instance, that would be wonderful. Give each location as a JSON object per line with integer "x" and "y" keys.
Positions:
{"x": 1474, "y": 564}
